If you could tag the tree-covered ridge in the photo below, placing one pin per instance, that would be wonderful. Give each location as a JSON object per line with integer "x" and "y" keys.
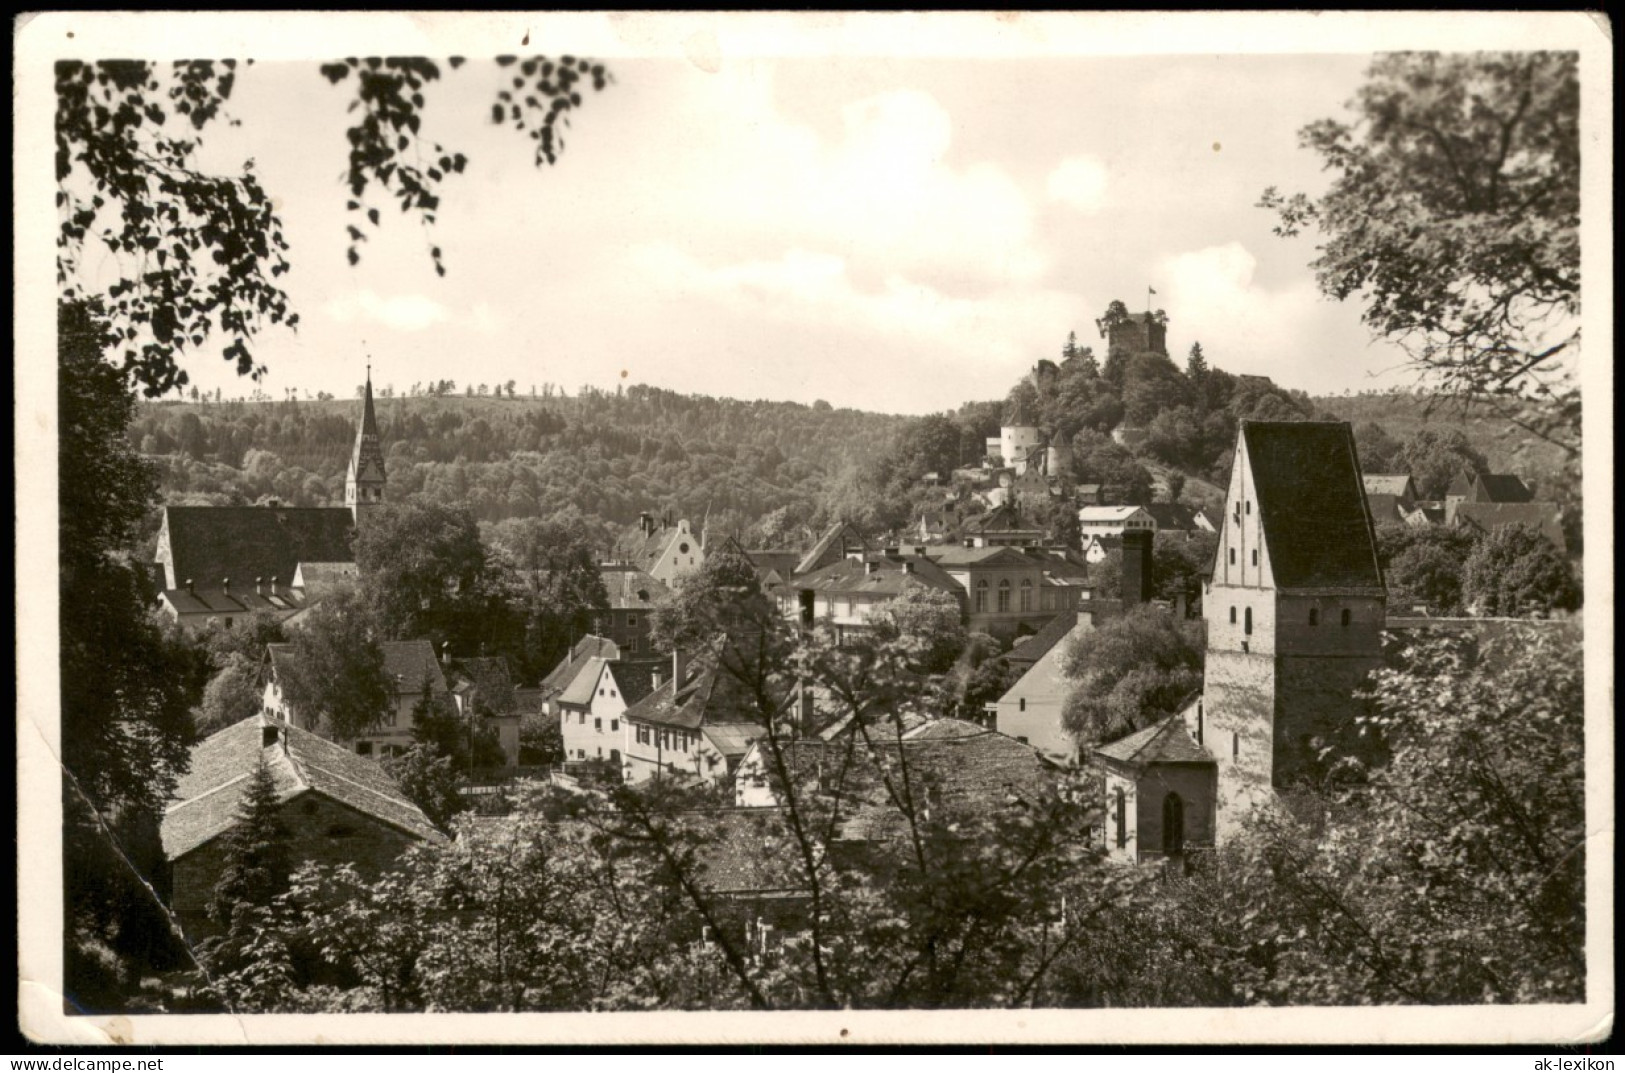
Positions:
{"x": 608, "y": 456}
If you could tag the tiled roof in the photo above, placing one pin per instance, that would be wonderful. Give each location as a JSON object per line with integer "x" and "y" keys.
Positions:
{"x": 1503, "y": 488}
{"x": 1390, "y": 484}
{"x": 1173, "y": 517}
{"x": 631, "y": 588}
{"x": 937, "y": 729}
{"x": 1485, "y": 517}
{"x": 731, "y": 740}
{"x": 635, "y": 677}
{"x": 828, "y": 545}
{"x": 772, "y": 564}
{"x": 890, "y": 577}
{"x": 205, "y": 802}
{"x": 966, "y": 766}
{"x": 581, "y": 689}
{"x": 1167, "y": 742}
{"x": 208, "y": 544}
{"x": 1384, "y": 507}
{"x": 406, "y": 664}
{"x": 951, "y": 555}
{"x": 708, "y": 694}
{"x": 1032, "y": 649}
{"x": 490, "y": 678}
{"x": 646, "y": 550}
{"x": 1311, "y": 503}
{"x": 1106, "y": 514}
{"x": 1001, "y": 519}
{"x": 211, "y": 600}
{"x": 588, "y": 647}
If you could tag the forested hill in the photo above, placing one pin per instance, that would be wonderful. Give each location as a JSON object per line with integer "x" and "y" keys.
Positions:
{"x": 608, "y": 456}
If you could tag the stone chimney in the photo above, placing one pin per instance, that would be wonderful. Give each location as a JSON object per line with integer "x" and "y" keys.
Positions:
{"x": 225, "y": 585}
{"x": 189, "y": 590}
{"x": 679, "y": 664}
{"x": 445, "y": 653}
{"x": 259, "y": 586}
{"x": 1136, "y": 567}
{"x": 646, "y": 522}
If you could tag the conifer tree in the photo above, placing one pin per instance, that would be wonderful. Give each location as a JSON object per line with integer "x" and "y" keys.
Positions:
{"x": 256, "y": 852}
{"x": 1196, "y": 364}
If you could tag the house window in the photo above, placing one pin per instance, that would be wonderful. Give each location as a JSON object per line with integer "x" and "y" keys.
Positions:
{"x": 1021, "y": 704}
{"x": 228, "y": 622}
{"x": 851, "y": 607}
{"x": 1247, "y": 622}
{"x": 1314, "y": 616}
{"x": 631, "y": 620}
{"x": 636, "y": 646}
{"x": 614, "y": 725}
{"x": 1249, "y": 506}
{"x": 1255, "y": 556}
{"x": 390, "y": 717}
{"x": 1235, "y": 745}
{"x": 581, "y": 718}
{"x": 1004, "y": 595}
{"x": 1232, "y": 556}
{"x": 1232, "y": 616}
{"x": 581, "y": 754}
{"x": 981, "y": 595}
{"x": 1026, "y": 594}
{"x": 598, "y": 724}
{"x": 363, "y": 748}
{"x": 1122, "y": 818}
{"x": 1347, "y": 616}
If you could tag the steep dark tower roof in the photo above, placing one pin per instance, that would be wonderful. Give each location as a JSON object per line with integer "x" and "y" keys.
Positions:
{"x": 367, "y": 458}
{"x": 1311, "y": 502}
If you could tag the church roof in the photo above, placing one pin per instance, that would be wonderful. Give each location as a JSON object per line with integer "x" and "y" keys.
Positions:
{"x": 367, "y": 457}
{"x": 631, "y": 588}
{"x": 1311, "y": 503}
{"x": 210, "y": 544}
{"x": 1167, "y": 742}
{"x": 206, "y": 798}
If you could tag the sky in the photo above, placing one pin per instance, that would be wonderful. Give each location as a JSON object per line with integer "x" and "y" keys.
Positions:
{"x": 883, "y": 231}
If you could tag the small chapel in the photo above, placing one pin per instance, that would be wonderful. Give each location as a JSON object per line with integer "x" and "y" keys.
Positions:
{"x": 220, "y": 565}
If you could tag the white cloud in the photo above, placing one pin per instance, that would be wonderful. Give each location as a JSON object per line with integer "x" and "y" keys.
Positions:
{"x": 401, "y": 312}
{"x": 881, "y": 194}
{"x": 1080, "y": 182}
{"x": 1244, "y": 328}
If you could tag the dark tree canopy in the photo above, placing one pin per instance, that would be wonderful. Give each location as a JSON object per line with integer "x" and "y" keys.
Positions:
{"x": 1454, "y": 214}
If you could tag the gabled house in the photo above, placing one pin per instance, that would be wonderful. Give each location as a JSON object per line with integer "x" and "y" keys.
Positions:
{"x": 841, "y": 541}
{"x": 337, "y": 807}
{"x": 1030, "y": 710}
{"x": 409, "y": 666}
{"x": 483, "y": 687}
{"x": 1544, "y": 518}
{"x": 1471, "y": 487}
{"x": 633, "y": 594}
{"x": 559, "y": 678}
{"x": 662, "y": 548}
{"x": 1113, "y": 521}
{"x": 592, "y": 707}
{"x": 696, "y": 724}
{"x": 1178, "y": 518}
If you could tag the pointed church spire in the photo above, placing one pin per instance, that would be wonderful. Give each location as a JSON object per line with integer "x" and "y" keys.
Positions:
{"x": 364, "y": 486}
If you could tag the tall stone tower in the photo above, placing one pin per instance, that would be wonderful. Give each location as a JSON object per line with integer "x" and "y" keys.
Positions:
{"x": 364, "y": 487}
{"x": 1139, "y": 333}
{"x": 1295, "y": 612}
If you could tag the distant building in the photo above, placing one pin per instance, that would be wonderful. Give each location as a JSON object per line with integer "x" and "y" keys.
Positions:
{"x": 1003, "y": 527}
{"x": 662, "y": 548}
{"x": 633, "y": 594}
{"x": 1005, "y": 588}
{"x": 483, "y": 688}
{"x": 1030, "y": 710}
{"x": 845, "y": 595}
{"x": 1159, "y": 793}
{"x": 1113, "y": 521}
{"x": 1139, "y": 333}
{"x": 1545, "y": 518}
{"x": 1471, "y": 487}
{"x": 841, "y": 541}
{"x": 556, "y": 681}
{"x": 338, "y": 808}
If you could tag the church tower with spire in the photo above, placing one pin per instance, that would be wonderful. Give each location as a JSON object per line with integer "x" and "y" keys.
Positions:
{"x": 364, "y": 487}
